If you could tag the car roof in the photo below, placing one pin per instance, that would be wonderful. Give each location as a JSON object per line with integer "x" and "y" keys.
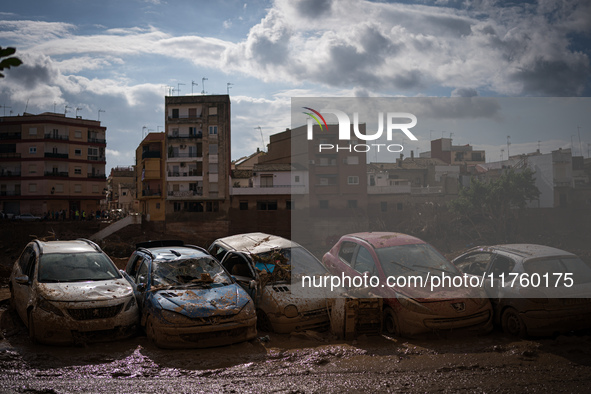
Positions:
{"x": 257, "y": 242}
{"x": 175, "y": 252}
{"x": 531, "y": 251}
{"x": 73, "y": 246}
{"x": 386, "y": 239}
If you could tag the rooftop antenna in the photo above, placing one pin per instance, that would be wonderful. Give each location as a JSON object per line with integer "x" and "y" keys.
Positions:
{"x": 508, "y": 145}
{"x": 99, "y": 114}
{"x": 178, "y": 91}
{"x": 203, "y": 84}
{"x": 143, "y": 128}
{"x": 193, "y": 83}
{"x": 262, "y": 138}
{"x": 78, "y": 109}
{"x": 502, "y": 151}
{"x": 27, "y": 105}
{"x": 54, "y": 104}
{"x": 66, "y": 109}
{"x": 580, "y": 146}
{"x": 228, "y": 87}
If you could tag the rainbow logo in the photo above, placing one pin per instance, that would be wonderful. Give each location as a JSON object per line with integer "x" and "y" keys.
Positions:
{"x": 315, "y": 118}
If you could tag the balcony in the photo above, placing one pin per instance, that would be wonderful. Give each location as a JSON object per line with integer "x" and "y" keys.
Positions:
{"x": 56, "y": 155}
{"x": 10, "y": 136}
{"x": 51, "y": 136}
{"x": 9, "y": 173}
{"x": 10, "y": 155}
{"x": 151, "y": 155}
{"x": 269, "y": 190}
{"x": 9, "y": 193}
{"x": 57, "y": 173}
{"x": 96, "y": 158}
{"x": 97, "y": 140}
{"x": 97, "y": 176}
{"x": 151, "y": 193}
{"x": 182, "y": 155}
{"x": 185, "y": 173}
{"x": 426, "y": 190}
{"x": 185, "y": 137}
{"x": 186, "y": 193}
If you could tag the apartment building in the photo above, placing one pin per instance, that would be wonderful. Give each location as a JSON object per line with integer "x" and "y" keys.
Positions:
{"x": 150, "y": 176}
{"x": 49, "y": 163}
{"x": 197, "y": 154}
{"x": 121, "y": 189}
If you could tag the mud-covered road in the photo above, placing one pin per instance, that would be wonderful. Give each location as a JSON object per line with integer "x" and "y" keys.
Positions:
{"x": 298, "y": 363}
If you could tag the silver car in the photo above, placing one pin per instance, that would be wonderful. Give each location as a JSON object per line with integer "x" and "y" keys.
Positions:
{"x": 71, "y": 292}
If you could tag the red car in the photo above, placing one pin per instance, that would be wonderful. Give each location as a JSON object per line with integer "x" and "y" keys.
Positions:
{"x": 407, "y": 272}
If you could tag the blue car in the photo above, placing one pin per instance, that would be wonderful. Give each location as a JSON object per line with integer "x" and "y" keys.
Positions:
{"x": 186, "y": 298}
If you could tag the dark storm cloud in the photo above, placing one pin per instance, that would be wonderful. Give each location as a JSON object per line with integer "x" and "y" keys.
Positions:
{"x": 554, "y": 78}
{"x": 34, "y": 72}
{"x": 313, "y": 8}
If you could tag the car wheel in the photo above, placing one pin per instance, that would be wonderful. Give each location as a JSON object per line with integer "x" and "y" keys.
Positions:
{"x": 31, "y": 326}
{"x": 263, "y": 322}
{"x": 390, "y": 323}
{"x": 513, "y": 324}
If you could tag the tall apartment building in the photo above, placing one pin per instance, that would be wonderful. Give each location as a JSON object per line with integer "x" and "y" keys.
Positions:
{"x": 49, "y": 163}
{"x": 198, "y": 153}
{"x": 150, "y": 176}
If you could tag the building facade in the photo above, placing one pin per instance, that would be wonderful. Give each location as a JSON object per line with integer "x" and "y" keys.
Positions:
{"x": 198, "y": 155}
{"x": 150, "y": 177}
{"x": 50, "y": 163}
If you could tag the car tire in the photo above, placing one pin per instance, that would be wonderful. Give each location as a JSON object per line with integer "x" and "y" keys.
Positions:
{"x": 513, "y": 324}
{"x": 263, "y": 322}
{"x": 31, "y": 327}
{"x": 390, "y": 324}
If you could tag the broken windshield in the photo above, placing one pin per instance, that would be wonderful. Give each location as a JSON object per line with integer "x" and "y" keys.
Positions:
{"x": 197, "y": 271}
{"x": 76, "y": 267}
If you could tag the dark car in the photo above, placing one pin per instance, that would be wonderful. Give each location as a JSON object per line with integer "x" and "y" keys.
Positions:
{"x": 535, "y": 289}
{"x": 186, "y": 298}
{"x": 409, "y": 310}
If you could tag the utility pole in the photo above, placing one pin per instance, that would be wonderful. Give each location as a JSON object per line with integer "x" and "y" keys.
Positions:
{"x": 228, "y": 87}
{"x": 203, "y": 85}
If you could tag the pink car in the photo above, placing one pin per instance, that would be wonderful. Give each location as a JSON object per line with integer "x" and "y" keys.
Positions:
{"x": 407, "y": 272}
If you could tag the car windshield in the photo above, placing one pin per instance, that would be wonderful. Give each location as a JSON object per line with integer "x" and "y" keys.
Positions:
{"x": 76, "y": 267}
{"x": 581, "y": 273}
{"x": 195, "y": 271}
{"x": 302, "y": 262}
{"x": 412, "y": 259}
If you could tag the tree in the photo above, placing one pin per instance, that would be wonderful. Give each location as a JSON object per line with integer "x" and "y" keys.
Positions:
{"x": 6, "y": 61}
{"x": 497, "y": 200}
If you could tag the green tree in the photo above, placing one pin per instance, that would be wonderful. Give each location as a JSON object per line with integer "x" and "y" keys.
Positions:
{"x": 496, "y": 201}
{"x": 6, "y": 61}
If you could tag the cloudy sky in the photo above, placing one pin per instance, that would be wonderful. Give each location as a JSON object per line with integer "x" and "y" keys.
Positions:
{"x": 123, "y": 57}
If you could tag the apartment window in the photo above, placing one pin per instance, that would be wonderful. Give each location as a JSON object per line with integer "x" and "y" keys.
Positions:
{"x": 213, "y": 187}
{"x": 213, "y": 168}
{"x": 267, "y": 205}
{"x": 323, "y": 204}
{"x": 352, "y": 160}
{"x": 351, "y": 204}
{"x": 32, "y": 169}
{"x": 213, "y": 110}
{"x": 175, "y": 113}
{"x": 77, "y": 152}
{"x": 213, "y": 129}
{"x": 384, "y": 206}
{"x": 297, "y": 179}
{"x": 157, "y": 205}
{"x": 353, "y": 180}
{"x": 78, "y": 170}
{"x": 212, "y": 206}
{"x": 59, "y": 188}
{"x": 178, "y": 207}
{"x": 213, "y": 149}
{"x": 77, "y": 134}
{"x": 78, "y": 188}
{"x": 267, "y": 180}
{"x": 32, "y": 131}
{"x": 32, "y": 187}
{"x": 192, "y": 131}
{"x": 32, "y": 150}
{"x": 289, "y": 204}
{"x": 399, "y": 206}
{"x": 244, "y": 205}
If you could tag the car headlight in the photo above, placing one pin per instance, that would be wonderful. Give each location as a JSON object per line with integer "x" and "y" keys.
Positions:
{"x": 290, "y": 311}
{"x": 413, "y": 305}
{"x": 49, "y": 307}
{"x": 248, "y": 310}
{"x": 175, "y": 318}
{"x": 130, "y": 304}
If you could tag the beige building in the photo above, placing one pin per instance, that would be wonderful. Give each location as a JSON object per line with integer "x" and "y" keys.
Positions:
{"x": 121, "y": 189}
{"x": 197, "y": 154}
{"x": 50, "y": 162}
{"x": 150, "y": 176}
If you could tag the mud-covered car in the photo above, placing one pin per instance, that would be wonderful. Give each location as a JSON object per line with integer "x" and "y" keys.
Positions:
{"x": 187, "y": 299}
{"x": 70, "y": 292}
{"x": 411, "y": 307}
{"x": 534, "y": 289}
{"x": 261, "y": 263}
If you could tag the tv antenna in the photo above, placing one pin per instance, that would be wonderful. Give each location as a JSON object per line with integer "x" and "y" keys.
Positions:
{"x": 193, "y": 83}
{"x": 178, "y": 90}
{"x": 78, "y": 109}
{"x": 228, "y": 87}
{"x": 262, "y": 138}
{"x": 203, "y": 84}
{"x": 99, "y": 114}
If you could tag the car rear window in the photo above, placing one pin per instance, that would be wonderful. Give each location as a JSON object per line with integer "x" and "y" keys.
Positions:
{"x": 581, "y": 273}
{"x": 76, "y": 267}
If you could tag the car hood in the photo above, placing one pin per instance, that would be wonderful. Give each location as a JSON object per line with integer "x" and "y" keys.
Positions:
{"x": 226, "y": 300}
{"x": 85, "y": 291}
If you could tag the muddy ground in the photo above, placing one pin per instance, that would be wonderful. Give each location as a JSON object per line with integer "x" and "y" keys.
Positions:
{"x": 282, "y": 363}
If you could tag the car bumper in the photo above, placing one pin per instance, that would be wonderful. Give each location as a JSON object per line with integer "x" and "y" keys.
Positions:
{"x": 548, "y": 322}
{"x": 414, "y": 324}
{"x": 205, "y": 335}
{"x": 317, "y": 320}
{"x": 53, "y": 329}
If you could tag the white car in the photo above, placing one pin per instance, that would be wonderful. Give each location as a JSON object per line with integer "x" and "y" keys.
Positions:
{"x": 71, "y": 292}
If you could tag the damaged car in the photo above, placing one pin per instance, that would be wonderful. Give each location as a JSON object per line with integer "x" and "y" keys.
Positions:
{"x": 70, "y": 291}
{"x": 261, "y": 263}
{"x": 411, "y": 306}
{"x": 186, "y": 298}
{"x": 535, "y": 290}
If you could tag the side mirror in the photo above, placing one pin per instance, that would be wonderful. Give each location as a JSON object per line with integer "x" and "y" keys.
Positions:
{"x": 22, "y": 280}
{"x": 141, "y": 287}
{"x": 252, "y": 284}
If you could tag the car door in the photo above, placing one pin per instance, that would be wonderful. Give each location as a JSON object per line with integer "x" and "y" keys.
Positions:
{"x": 22, "y": 289}
{"x": 241, "y": 268}
{"x": 498, "y": 279}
